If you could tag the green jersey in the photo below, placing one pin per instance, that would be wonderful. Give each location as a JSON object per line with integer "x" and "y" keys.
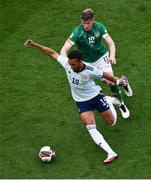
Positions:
{"x": 89, "y": 42}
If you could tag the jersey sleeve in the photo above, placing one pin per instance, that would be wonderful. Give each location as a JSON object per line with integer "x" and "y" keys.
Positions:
{"x": 97, "y": 73}
{"x": 94, "y": 71}
{"x": 74, "y": 36}
{"x": 62, "y": 60}
{"x": 103, "y": 30}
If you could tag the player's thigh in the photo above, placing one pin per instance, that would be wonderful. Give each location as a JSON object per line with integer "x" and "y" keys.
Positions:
{"x": 108, "y": 116}
{"x": 88, "y": 117}
{"x": 104, "y": 64}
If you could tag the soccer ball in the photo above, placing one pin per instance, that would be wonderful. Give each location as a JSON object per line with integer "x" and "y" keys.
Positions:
{"x": 46, "y": 154}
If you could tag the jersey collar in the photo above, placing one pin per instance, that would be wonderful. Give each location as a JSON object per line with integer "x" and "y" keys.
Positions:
{"x": 82, "y": 68}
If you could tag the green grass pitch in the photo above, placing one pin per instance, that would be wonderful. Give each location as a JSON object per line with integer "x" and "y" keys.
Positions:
{"x": 36, "y": 107}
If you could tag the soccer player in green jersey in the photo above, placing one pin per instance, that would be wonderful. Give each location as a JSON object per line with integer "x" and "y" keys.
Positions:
{"x": 88, "y": 38}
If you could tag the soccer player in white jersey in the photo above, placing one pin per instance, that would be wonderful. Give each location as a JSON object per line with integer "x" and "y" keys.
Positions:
{"x": 87, "y": 94}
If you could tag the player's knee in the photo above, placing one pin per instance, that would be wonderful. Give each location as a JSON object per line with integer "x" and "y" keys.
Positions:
{"x": 112, "y": 121}
{"x": 87, "y": 121}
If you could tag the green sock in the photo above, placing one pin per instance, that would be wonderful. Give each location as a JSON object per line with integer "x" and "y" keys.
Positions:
{"x": 116, "y": 90}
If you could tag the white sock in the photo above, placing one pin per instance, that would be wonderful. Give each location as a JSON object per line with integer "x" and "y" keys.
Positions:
{"x": 98, "y": 139}
{"x": 111, "y": 101}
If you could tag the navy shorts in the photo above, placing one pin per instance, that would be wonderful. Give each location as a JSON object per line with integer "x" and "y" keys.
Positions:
{"x": 98, "y": 102}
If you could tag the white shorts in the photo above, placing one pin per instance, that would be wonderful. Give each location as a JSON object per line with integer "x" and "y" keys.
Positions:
{"x": 103, "y": 63}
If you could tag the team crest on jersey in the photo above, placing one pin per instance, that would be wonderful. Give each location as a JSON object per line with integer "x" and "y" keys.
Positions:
{"x": 97, "y": 34}
{"x": 84, "y": 77}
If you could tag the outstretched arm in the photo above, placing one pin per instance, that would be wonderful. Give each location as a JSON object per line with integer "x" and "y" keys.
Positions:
{"x": 68, "y": 44}
{"x": 113, "y": 79}
{"x": 44, "y": 49}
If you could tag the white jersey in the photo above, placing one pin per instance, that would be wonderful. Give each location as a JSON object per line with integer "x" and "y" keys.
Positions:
{"x": 83, "y": 87}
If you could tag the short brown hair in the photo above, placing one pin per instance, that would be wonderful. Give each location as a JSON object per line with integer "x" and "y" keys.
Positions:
{"x": 87, "y": 14}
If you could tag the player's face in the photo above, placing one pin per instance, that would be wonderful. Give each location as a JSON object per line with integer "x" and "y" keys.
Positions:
{"x": 87, "y": 24}
{"x": 75, "y": 64}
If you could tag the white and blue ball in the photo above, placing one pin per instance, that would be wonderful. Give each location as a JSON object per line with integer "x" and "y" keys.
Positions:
{"x": 46, "y": 154}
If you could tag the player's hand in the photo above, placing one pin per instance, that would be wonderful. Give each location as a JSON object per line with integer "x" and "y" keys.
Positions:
{"x": 112, "y": 60}
{"x": 29, "y": 42}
